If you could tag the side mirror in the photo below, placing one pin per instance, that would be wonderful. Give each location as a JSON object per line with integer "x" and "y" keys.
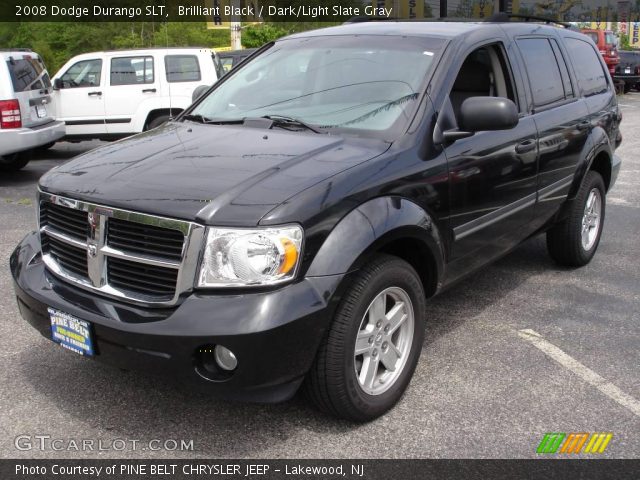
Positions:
{"x": 484, "y": 113}
{"x": 198, "y": 92}
{"x": 57, "y": 84}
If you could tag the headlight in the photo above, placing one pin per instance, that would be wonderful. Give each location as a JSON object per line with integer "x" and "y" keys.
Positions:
{"x": 240, "y": 257}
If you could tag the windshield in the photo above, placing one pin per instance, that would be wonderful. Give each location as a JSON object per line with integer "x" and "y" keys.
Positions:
{"x": 356, "y": 84}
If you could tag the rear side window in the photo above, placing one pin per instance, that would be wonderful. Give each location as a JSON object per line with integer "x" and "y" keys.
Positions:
{"x": 610, "y": 39}
{"x": 544, "y": 73}
{"x": 182, "y": 68}
{"x": 591, "y": 76}
{"x": 85, "y": 73}
{"x": 131, "y": 70}
{"x": 27, "y": 74}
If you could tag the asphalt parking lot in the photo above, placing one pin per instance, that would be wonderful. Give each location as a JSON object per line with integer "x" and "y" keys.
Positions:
{"x": 483, "y": 388}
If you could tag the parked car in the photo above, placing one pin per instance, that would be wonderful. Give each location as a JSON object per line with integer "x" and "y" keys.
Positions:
{"x": 628, "y": 70}
{"x": 26, "y": 116}
{"x": 115, "y": 94}
{"x": 288, "y": 228}
{"x": 231, "y": 58}
{"x": 607, "y": 44}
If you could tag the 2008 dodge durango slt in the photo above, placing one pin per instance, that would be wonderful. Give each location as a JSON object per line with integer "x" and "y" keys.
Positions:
{"x": 288, "y": 228}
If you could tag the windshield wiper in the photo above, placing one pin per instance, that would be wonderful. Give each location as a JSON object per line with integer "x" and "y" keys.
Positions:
{"x": 211, "y": 121}
{"x": 195, "y": 118}
{"x": 283, "y": 120}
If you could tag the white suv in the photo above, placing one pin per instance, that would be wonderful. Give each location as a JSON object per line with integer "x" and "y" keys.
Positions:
{"x": 110, "y": 95}
{"x": 26, "y": 120}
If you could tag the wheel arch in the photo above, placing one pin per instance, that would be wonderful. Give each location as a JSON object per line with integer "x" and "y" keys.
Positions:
{"x": 598, "y": 156}
{"x": 391, "y": 225}
{"x": 155, "y": 113}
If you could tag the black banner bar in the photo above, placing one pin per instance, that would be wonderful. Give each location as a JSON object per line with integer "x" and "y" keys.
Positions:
{"x": 248, "y": 11}
{"x": 318, "y": 469}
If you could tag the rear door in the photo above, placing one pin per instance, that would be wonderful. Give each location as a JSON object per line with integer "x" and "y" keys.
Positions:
{"x": 561, "y": 117}
{"x": 80, "y": 98}
{"x": 133, "y": 82}
{"x": 183, "y": 72}
{"x": 32, "y": 87}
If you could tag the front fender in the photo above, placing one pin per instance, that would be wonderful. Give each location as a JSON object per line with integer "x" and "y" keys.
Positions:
{"x": 369, "y": 227}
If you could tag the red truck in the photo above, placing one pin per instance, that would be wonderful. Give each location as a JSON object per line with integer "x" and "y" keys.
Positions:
{"x": 606, "y": 42}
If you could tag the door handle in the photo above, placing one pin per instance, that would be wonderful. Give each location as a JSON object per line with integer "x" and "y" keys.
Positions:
{"x": 526, "y": 146}
{"x": 149, "y": 90}
{"x": 94, "y": 94}
{"x": 583, "y": 125}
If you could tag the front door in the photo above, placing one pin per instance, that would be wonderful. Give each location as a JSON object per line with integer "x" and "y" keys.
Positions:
{"x": 80, "y": 98}
{"x": 492, "y": 175}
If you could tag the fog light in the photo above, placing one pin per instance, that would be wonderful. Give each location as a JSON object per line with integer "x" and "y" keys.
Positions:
{"x": 225, "y": 358}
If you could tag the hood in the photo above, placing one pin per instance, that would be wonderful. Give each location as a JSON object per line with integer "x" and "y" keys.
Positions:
{"x": 223, "y": 175}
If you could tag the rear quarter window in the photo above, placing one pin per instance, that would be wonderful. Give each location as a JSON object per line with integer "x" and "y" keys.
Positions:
{"x": 182, "y": 68}
{"x": 27, "y": 74}
{"x": 589, "y": 71}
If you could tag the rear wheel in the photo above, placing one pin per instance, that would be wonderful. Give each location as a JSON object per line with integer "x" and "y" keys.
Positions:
{"x": 46, "y": 146}
{"x": 574, "y": 241}
{"x": 15, "y": 161}
{"x": 373, "y": 345}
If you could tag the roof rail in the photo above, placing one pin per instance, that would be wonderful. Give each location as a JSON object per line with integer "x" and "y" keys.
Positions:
{"x": 366, "y": 18}
{"x": 506, "y": 17}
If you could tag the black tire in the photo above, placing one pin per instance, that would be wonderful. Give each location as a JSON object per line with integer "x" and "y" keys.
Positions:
{"x": 157, "y": 121}
{"x": 332, "y": 383}
{"x": 15, "y": 161}
{"x": 564, "y": 240}
{"x": 627, "y": 88}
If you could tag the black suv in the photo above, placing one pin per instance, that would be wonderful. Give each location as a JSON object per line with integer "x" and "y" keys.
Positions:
{"x": 288, "y": 228}
{"x": 628, "y": 70}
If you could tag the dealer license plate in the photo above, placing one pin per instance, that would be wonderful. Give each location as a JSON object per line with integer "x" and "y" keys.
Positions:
{"x": 627, "y": 70}
{"x": 71, "y": 332}
{"x": 41, "y": 111}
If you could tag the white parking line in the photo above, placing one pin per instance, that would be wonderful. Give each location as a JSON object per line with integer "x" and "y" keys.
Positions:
{"x": 588, "y": 375}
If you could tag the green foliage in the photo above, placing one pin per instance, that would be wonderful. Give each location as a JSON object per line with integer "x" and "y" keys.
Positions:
{"x": 258, "y": 35}
{"x": 58, "y": 42}
{"x": 624, "y": 42}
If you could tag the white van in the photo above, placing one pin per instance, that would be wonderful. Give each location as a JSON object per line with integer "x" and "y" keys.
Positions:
{"x": 26, "y": 113}
{"x": 110, "y": 95}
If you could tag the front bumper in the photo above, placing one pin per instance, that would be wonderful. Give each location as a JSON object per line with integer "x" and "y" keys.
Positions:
{"x": 274, "y": 334}
{"x": 20, "y": 139}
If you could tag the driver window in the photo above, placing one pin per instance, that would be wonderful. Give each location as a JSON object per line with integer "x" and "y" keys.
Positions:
{"x": 484, "y": 73}
{"x": 85, "y": 73}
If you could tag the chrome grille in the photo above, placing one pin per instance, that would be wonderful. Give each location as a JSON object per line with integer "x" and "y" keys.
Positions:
{"x": 65, "y": 220}
{"x": 145, "y": 239}
{"x": 72, "y": 259}
{"x": 132, "y": 256}
{"x": 141, "y": 278}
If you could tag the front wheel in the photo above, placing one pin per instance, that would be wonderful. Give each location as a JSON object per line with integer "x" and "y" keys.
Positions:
{"x": 574, "y": 241}
{"x": 368, "y": 357}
